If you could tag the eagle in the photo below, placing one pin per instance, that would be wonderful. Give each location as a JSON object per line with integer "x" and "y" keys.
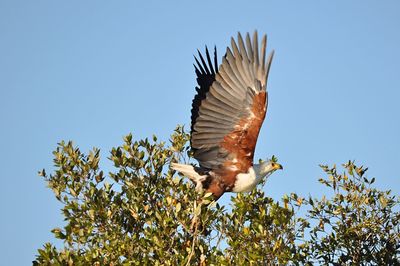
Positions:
{"x": 227, "y": 114}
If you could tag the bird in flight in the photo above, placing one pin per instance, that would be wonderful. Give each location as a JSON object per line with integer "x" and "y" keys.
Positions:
{"x": 227, "y": 114}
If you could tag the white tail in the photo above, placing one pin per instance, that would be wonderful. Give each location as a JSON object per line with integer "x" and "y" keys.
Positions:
{"x": 188, "y": 170}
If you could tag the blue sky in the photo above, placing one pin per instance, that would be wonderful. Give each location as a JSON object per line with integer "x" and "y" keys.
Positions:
{"x": 93, "y": 71}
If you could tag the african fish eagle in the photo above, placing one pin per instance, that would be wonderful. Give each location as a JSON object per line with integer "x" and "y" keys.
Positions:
{"x": 227, "y": 113}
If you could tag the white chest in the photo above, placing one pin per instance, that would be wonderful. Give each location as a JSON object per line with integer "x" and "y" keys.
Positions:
{"x": 245, "y": 182}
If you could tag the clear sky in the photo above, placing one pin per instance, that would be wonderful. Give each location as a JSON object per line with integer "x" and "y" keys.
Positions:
{"x": 93, "y": 71}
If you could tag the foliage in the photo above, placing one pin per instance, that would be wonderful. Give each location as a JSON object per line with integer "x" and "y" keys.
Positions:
{"x": 143, "y": 213}
{"x": 358, "y": 225}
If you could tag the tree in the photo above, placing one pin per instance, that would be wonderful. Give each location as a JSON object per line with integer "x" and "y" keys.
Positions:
{"x": 143, "y": 213}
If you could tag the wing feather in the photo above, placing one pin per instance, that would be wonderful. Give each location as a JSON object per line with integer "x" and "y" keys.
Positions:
{"x": 210, "y": 125}
{"x": 234, "y": 61}
{"x": 256, "y": 58}
{"x": 222, "y": 94}
{"x": 217, "y": 101}
{"x": 210, "y": 116}
{"x": 245, "y": 62}
{"x": 220, "y": 108}
{"x": 224, "y": 76}
{"x": 230, "y": 89}
{"x": 249, "y": 48}
{"x": 209, "y": 135}
{"x": 228, "y": 75}
{"x": 263, "y": 50}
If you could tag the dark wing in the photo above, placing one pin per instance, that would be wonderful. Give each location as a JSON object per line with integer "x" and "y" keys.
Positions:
{"x": 205, "y": 73}
{"x": 227, "y": 116}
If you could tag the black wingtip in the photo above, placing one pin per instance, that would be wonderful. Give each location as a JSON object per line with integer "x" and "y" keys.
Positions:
{"x": 199, "y": 65}
{"x": 215, "y": 58}
{"x": 209, "y": 61}
{"x": 204, "y": 63}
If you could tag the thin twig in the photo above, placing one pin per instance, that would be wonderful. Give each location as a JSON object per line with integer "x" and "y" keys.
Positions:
{"x": 194, "y": 235}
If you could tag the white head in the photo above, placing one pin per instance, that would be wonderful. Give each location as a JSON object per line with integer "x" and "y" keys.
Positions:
{"x": 245, "y": 182}
{"x": 266, "y": 168}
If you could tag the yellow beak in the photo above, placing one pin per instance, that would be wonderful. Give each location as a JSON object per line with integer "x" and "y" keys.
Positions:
{"x": 277, "y": 166}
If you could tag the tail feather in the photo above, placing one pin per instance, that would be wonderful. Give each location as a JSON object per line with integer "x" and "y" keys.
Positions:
{"x": 189, "y": 171}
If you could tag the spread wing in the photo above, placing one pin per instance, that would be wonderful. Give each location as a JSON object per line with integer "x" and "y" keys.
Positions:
{"x": 230, "y": 105}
